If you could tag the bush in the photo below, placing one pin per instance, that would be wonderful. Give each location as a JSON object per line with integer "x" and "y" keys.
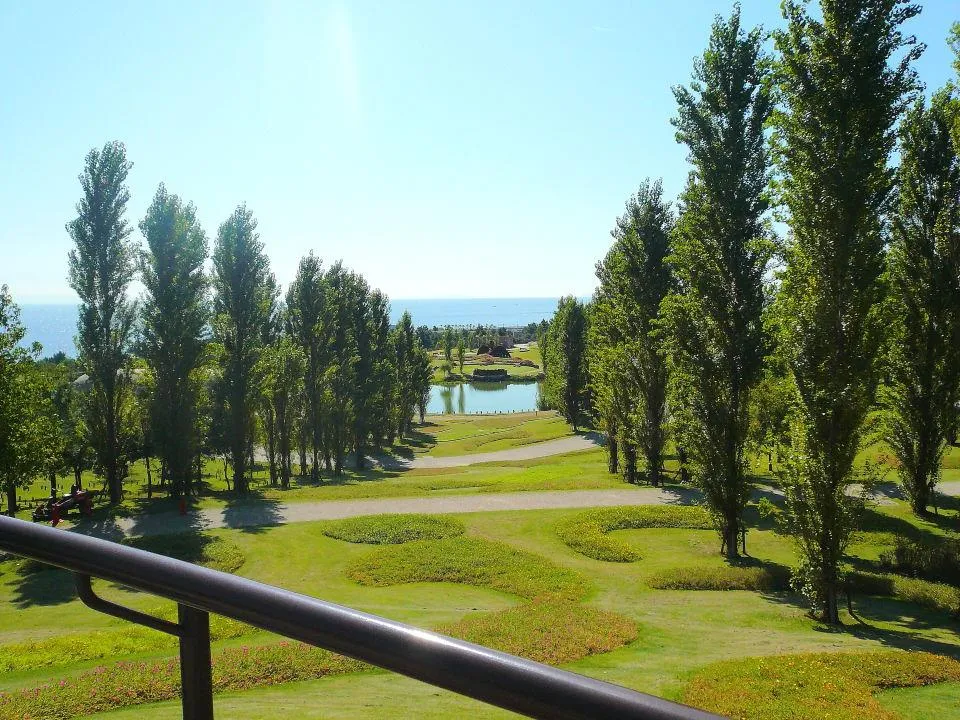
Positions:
{"x": 813, "y": 686}
{"x": 587, "y": 532}
{"x": 468, "y": 561}
{"x": 547, "y": 630}
{"x": 723, "y": 577}
{"x": 209, "y": 551}
{"x": 922, "y": 592}
{"x": 132, "y": 683}
{"x": 393, "y": 529}
{"x": 938, "y": 562}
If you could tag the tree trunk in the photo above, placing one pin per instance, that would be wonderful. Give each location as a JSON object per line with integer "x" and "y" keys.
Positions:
{"x": 831, "y": 608}
{"x": 630, "y": 463}
{"x": 146, "y": 460}
{"x": 731, "y": 539}
{"x": 11, "y": 499}
{"x": 53, "y": 484}
{"x": 77, "y": 475}
{"x": 613, "y": 455}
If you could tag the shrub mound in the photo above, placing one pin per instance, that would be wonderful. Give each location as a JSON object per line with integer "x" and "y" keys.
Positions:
{"x": 133, "y": 683}
{"x": 937, "y": 562}
{"x": 71, "y": 648}
{"x": 393, "y": 529}
{"x": 724, "y": 577}
{"x": 548, "y": 630}
{"x": 468, "y": 561}
{"x": 209, "y": 551}
{"x": 587, "y": 532}
{"x": 922, "y": 592}
{"x": 814, "y": 685}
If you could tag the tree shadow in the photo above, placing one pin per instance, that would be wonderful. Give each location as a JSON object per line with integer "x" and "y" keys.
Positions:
{"x": 252, "y": 513}
{"x": 40, "y": 585}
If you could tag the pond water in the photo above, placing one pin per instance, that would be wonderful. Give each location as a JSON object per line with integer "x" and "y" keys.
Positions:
{"x": 483, "y": 397}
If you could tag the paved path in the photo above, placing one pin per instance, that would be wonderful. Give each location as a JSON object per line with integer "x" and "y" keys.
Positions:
{"x": 271, "y": 514}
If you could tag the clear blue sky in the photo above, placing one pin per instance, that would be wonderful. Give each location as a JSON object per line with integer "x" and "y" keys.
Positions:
{"x": 440, "y": 148}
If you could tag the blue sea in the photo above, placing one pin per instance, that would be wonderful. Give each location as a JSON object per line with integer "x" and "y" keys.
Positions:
{"x": 54, "y": 326}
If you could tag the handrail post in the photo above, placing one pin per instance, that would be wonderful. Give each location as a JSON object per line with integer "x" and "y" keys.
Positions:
{"x": 196, "y": 677}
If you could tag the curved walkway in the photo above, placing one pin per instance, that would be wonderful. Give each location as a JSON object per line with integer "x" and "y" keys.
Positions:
{"x": 272, "y": 514}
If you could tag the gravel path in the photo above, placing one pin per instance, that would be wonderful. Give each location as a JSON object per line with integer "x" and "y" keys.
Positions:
{"x": 271, "y": 514}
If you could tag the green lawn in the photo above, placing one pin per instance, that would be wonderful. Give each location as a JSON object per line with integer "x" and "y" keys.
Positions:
{"x": 500, "y": 565}
{"x": 521, "y": 372}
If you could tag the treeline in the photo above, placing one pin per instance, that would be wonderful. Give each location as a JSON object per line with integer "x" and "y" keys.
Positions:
{"x": 473, "y": 337}
{"x": 709, "y": 331}
{"x": 212, "y": 360}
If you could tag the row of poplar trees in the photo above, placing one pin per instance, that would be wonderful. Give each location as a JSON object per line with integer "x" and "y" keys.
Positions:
{"x": 707, "y": 324}
{"x": 226, "y": 363}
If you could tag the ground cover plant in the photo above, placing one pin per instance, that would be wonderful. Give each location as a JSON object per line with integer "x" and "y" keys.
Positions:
{"x": 393, "y": 529}
{"x": 547, "y": 630}
{"x": 588, "y": 532}
{"x": 123, "y": 684}
{"x": 469, "y": 561}
{"x": 725, "y": 577}
{"x": 825, "y": 685}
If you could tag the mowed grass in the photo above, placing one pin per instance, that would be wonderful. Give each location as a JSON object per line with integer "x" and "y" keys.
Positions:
{"x": 469, "y": 434}
{"x": 678, "y": 633}
{"x": 393, "y": 529}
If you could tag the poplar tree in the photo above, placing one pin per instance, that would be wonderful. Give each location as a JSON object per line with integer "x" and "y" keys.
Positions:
{"x": 101, "y": 266}
{"x": 245, "y": 296}
{"x": 713, "y": 320}
{"x": 565, "y": 384}
{"x": 924, "y": 268}
{"x": 176, "y": 313}
{"x": 845, "y": 77}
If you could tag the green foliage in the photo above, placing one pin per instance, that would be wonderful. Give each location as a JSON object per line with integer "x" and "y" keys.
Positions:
{"x": 468, "y": 561}
{"x": 210, "y": 551}
{"x": 938, "y": 561}
{"x": 134, "y": 683}
{"x": 30, "y": 439}
{"x": 393, "y": 529}
{"x": 844, "y": 78}
{"x": 819, "y": 685}
{"x": 628, "y": 371}
{"x": 101, "y": 267}
{"x": 565, "y": 382}
{"x": 713, "y": 321}
{"x": 175, "y": 316}
{"x": 724, "y": 577}
{"x": 924, "y": 263}
{"x": 281, "y": 368}
{"x": 936, "y": 596}
{"x": 588, "y": 532}
{"x": 547, "y": 630}
{"x": 245, "y": 294}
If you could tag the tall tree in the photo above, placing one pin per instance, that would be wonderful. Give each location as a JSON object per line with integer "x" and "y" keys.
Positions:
{"x": 845, "y": 76}
{"x": 713, "y": 320}
{"x": 924, "y": 266}
{"x": 29, "y": 436}
{"x": 306, "y": 299}
{"x": 461, "y": 352}
{"x": 635, "y": 276}
{"x": 406, "y": 348}
{"x": 176, "y": 312}
{"x": 244, "y": 301}
{"x": 565, "y": 385}
{"x": 101, "y": 266}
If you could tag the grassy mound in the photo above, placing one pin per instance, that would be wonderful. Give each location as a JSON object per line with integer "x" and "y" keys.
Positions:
{"x": 835, "y": 685}
{"x": 209, "y": 551}
{"x": 393, "y": 529}
{"x": 125, "y": 684}
{"x": 67, "y": 649}
{"x": 548, "y": 630}
{"x": 724, "y": 577}
{"x": 468, "y": 561}
{"x": 587, "y": 532}
{"x": 937, "y": 596}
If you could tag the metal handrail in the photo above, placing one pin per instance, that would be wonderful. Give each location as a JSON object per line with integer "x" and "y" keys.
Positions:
{"x": 507, "y": 681}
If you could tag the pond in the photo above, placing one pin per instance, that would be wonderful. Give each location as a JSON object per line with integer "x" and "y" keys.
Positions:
{"x": 483, "y": 397}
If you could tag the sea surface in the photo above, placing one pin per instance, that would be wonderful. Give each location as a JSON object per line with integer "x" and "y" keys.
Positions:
{"x": 54, "y": 326}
